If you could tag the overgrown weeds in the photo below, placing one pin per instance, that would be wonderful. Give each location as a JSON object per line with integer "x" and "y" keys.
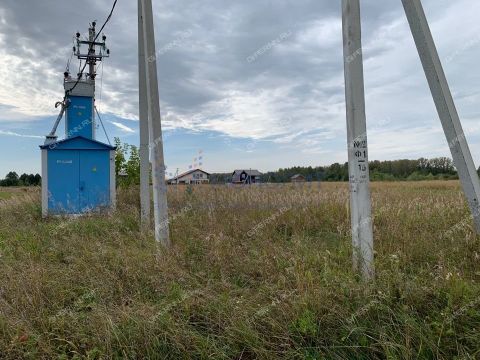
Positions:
{"x": 244, "y": 279}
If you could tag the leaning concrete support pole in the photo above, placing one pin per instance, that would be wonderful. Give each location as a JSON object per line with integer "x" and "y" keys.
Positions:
{"x": 158, "y": 164}
{"x": 144, "y": 131}
{"x": 445, "y": 105}
{"x": 360, "y": 203}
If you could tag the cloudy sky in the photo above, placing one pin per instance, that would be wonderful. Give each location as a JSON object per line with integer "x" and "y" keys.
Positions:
{"x": 252, "y": 84}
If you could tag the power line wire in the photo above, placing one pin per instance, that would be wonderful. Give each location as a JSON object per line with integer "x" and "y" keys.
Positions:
{"x": 101, "y": 122}
{"x": 91, "y": 46}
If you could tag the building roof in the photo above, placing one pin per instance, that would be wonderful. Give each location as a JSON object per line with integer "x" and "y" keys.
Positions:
{"x": 237, "y": 173}
{"x": 188, "y": 173}
{"x": 297, "y": 176}
{"x": 249, "y": 172}
{"x": 77, "y": 143}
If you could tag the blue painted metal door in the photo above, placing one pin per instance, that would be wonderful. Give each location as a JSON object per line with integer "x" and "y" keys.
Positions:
{"x": 80, "y": 117}
{"x": 63, "y": 181}
{"x": 94, "y": 180}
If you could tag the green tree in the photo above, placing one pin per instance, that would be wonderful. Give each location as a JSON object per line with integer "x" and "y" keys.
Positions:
{"x": 132, "y": 166}
{"x": 120, "y": 156}
{"x": 12, "y": 179}
{"x": 31, "y": 180}
{"x": 127, "y": 163}
{"x": 37, "y": 180}
{"x": 24, "y": 180}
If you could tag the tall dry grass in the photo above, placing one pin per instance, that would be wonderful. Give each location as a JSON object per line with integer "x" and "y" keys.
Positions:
{"x": 255, "y": 272}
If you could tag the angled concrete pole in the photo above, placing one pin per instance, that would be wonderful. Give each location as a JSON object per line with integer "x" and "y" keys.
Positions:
{"x": 144, "y": 131}
{"x": 360, "y": 203}
{"x": 445, "y": 105}
{"x": 153, "y": 101}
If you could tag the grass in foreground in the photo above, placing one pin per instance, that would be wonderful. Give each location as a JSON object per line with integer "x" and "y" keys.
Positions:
{"x": 259, "y": 272}
{"x": 5, "y": 195}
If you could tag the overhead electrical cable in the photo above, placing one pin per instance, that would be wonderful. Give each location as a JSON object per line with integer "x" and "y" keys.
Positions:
{"x": 91, "y": 46}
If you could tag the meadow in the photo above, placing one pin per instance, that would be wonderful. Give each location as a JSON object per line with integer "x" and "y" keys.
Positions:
{"x": 261, "y": 272}
{"x": 4, "y": 195}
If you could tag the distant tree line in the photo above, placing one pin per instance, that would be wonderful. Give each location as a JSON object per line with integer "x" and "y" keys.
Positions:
{"x": 422, "y": 169}
{"x": 12, "y": 179}
{"x": 127, "y": 166}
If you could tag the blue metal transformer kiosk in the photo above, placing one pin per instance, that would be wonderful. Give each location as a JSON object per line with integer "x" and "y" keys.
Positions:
{"x": 78, "y": 172}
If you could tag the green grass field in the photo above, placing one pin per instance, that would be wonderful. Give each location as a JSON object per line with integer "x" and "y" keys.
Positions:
{"x": 259, "y": 272}
{"x": 5, "y": 195}
{"x": 8, "y": 193}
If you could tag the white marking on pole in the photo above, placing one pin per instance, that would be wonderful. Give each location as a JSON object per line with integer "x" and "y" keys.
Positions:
{"x": 360, "y": 202}
{"x": 144, "y": 126}
{"x": 154, "y": 119}
{"x": 445, "y": 105}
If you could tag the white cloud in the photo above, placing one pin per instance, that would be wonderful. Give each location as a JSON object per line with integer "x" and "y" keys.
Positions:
{"x": 122, "y": 127}
{"x": 27, "y": 87}
{"x": 320, "y": 35}
{"x": 11, "y": 133}
{"x": 292, "y": 96}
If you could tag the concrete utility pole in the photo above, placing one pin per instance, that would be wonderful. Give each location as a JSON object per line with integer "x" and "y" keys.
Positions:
{"x": 91, "y": 51}
{"x": 445, "y": 105}
{"x": 144, "y": 131}
{"x": 360, "y": 202}
{"x": 158, "y": 164}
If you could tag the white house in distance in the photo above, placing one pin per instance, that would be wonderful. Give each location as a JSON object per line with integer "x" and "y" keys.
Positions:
{"x": 195, "y": 176}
